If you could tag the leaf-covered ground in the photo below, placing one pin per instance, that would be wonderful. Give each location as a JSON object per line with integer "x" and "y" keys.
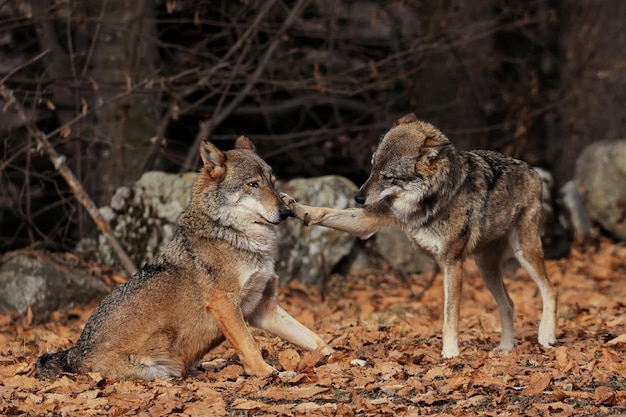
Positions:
{"x": 387, "y": 359}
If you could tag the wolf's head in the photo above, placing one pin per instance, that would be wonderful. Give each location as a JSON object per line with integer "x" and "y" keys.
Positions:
{"x": 236, "y": 187}
{"x": 408, "y": 167}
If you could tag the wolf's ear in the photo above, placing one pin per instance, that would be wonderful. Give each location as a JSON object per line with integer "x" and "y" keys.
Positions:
{"x": 406, "y": 119}
{"x": 433, "y": 145}
{"x": 436, "y": 141}
{"x": 212, "y": 158}
{"x": 243, "y": 142}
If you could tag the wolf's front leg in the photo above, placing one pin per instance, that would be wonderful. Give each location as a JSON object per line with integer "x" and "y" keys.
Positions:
{"x": 282, "y": 324}
{"x": 452, "y": 286}
{"x": 229, "y": 318}
{"x": 271, "y": 317}
{"x": 357, "y": 221}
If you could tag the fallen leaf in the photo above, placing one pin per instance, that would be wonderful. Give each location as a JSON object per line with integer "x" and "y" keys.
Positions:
{"x": 539, "y": 382}
{"x": 309, "y": 361}
{"x": 289, "y": 359}
{"x": 320, "y": 409}
{"x": 619, "y": 339}
{"x": 558, "y": 395}
{"x": 454, "y": 383}
{"x": 557, "y": 408}
{"x": 605, "y": 395}
{"x": 293, "y": 393}
{"x": 231, "y": 372}
{"x": 246, "y": 404}
{"x": 562, "y": 360}
{"x": 398, "y": 341}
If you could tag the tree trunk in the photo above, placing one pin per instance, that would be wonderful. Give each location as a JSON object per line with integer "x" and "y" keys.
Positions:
{"x": 123, "y": 56}
{"x": 593, "y": 41}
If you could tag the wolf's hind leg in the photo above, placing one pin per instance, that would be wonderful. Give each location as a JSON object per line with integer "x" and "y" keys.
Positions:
{"x": 489, "y": 265}
{"x": 132, "y": 366}
{"x": 151, "y": 368}
{"x": 526, "y": 244}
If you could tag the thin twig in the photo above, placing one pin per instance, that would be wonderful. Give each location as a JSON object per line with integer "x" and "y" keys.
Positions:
{"x": 25, "y": 64}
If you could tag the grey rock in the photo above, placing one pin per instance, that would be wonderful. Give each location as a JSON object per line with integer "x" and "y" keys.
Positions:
{"x": 36, "y": 279}
{"x": 143, "y": 215}
{"x": 308, "y": 254}
{"x": 396, "y": 248}
{"x": 601, "y": 177}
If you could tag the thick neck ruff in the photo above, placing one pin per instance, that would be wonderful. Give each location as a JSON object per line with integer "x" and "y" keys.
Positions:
{"x": 250, "y": 236}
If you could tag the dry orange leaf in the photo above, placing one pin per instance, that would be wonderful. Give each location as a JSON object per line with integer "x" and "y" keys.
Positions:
{"x": 289, "y": 359}
{"x": 563, "y": 362}
{"x": 539, "y": 382}
{"x": 619, "y": 339}
{"x": 605, "y": 395}
{"x": 231, "y": 372}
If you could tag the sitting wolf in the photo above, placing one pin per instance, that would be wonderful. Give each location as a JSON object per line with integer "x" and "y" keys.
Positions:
{"x": 216, "y": 274}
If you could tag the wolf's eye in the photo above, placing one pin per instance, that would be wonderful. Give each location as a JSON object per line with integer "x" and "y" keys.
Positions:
{"x": 387, "y": 177}
{"x": 253, "y": 184}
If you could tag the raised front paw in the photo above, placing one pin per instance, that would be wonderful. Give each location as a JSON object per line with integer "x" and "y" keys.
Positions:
{"x": 287, "y": 199}
{"x": 297, "y": 210}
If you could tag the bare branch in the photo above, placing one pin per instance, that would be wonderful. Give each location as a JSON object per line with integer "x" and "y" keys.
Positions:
{"x": 25, "y": 64}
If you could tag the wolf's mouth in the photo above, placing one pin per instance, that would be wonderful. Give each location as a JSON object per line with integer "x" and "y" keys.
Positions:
{"x": 283, "y": 214}
{"x": 264, "y": 221}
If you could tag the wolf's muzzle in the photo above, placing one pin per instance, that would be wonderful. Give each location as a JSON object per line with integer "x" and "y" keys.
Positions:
{"x": 284, "y": 212}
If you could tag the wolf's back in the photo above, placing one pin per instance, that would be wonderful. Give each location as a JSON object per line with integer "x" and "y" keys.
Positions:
{"x": 51, "y": 365}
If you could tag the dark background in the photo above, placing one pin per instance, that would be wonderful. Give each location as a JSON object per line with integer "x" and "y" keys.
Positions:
{"x": 124, "y": 87}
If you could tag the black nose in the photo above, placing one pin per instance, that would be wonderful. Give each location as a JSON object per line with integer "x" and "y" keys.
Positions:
{"x": 359, "y": 198}
{"x": 284, "y": 212}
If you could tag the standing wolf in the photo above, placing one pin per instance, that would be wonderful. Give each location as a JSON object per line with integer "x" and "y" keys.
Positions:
{"x": 216, "y": 274}
{"x": 452, "y": 204}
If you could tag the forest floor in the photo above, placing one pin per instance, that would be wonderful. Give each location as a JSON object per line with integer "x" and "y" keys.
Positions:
{"x": 387, "y": 359}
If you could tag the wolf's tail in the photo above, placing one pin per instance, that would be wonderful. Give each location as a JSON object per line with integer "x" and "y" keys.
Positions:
{"x": 51, "y": 365}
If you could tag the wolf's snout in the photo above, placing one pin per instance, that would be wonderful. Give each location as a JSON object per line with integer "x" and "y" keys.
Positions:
{"x": 284, "y": 212}
{"x": 359, "y": 198}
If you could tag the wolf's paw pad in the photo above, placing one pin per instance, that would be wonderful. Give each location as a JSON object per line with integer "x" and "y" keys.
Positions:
{"x": 503, "y": 348}
{"x": 287, "y": 199}
{"x": 547, "y": 342}
{"x": 450, "y": 353}
{"x": 327, "y": 351}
